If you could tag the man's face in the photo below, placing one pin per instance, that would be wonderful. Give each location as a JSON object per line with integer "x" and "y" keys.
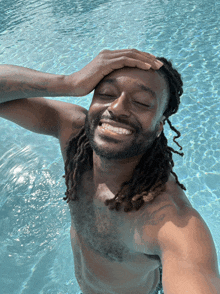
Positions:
{"x": 131, "y": 99}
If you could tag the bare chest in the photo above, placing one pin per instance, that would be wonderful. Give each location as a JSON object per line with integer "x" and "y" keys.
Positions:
{"x": 110, "y": 234}
{"x": 108, "y": 246}
{"x": 115, "y": 235}
{"x": 104, "y": 247}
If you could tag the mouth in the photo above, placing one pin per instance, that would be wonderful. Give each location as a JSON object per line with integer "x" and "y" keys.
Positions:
{"x": 111, "y": 130}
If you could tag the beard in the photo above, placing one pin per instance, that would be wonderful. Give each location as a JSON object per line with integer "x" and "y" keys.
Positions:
{"x": 134, "y": 148}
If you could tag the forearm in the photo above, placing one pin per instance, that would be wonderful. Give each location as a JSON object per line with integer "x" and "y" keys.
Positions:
{"x": 19, "y": 82}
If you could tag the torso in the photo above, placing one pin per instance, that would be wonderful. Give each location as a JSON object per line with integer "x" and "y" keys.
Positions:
{"x": 109, "y": 254}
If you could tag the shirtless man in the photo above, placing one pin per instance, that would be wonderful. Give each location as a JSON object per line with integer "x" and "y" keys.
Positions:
{"x": 117, "y": 251}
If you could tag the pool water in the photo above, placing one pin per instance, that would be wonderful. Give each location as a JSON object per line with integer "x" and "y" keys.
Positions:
{"x": 62, "y": 37}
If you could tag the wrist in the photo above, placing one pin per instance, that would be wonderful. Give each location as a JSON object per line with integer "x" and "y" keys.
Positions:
{"x": 76, "y": 84}
{"x": 58, "y": 86}
{"x": 71, "y": 85}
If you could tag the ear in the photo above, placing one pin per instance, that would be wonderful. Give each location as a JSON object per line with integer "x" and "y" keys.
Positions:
{"x": 162, "y": 122}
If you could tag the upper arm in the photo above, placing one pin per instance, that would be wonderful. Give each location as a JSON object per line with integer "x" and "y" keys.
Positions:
{"x": 41, "y": 115}
{"x": 188, "y": 255}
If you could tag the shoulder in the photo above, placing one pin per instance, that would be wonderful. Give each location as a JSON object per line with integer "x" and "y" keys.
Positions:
{"x": 168, "y": 206}
{"x": 172, "y": 197}
{"x": 70, "y": 124}
{"x": 179, "y": 228}
{"x": 187, "y": 253}
{"x": 186, "y": 249}
{"x": 176, "y": 194}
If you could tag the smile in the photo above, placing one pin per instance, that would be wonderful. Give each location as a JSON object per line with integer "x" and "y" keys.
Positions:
{"x": 119, "y": 131}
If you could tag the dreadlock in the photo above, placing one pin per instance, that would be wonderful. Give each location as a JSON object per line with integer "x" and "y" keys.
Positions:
{"x": 153, "y": 170}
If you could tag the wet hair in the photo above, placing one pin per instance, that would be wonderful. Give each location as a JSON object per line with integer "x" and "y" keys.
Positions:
{"x": 151, "y": 173}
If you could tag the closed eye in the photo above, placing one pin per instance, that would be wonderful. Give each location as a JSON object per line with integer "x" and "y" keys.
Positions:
{"x": 142, "y": 104}
{"x": 112, "y": 96}
{"x": 106, "y": 95}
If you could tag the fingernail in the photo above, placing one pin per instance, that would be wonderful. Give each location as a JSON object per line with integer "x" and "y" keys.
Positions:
{"x": 158, "y": 62}
{"x": 148, "y": 65}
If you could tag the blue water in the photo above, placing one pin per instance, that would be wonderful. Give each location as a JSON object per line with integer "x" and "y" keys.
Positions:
{"x": 59, "y": 36}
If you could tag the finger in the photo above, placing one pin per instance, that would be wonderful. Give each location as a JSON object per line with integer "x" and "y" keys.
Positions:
{"x": 131, "y": 50}
{"x": 142, "y": 56}
{"x": 130, "y": 62}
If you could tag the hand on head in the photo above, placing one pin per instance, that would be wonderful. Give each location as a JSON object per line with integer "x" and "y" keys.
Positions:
{"x": 85, "y": 80}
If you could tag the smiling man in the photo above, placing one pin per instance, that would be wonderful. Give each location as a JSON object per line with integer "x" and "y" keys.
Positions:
{"x": 131, "y": 219}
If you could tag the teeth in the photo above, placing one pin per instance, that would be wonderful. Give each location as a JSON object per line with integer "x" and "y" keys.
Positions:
{"x": 116, "y": 130}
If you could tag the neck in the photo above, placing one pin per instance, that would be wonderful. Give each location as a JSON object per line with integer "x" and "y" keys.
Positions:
{"x": 112, "y": 173}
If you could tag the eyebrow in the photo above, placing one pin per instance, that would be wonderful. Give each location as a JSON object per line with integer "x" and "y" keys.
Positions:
{"x": 140, "y": 86}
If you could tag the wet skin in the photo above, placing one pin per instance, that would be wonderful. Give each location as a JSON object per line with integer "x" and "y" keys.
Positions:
{"x": 136, "y": 99}
{"x": 133, "y": 99}
{"x": 116, "y": 251}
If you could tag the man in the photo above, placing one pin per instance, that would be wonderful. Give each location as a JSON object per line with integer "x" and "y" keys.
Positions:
{"x": 130, "y": 216}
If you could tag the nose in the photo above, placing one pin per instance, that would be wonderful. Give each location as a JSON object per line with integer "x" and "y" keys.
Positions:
{"x": 120, "y": 106}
